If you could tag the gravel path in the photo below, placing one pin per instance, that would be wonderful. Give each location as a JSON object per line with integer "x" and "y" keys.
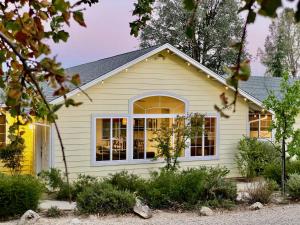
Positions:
{"x": 275, "y": 215}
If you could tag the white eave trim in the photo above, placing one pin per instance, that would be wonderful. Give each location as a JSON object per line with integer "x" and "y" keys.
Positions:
{"x": 147, "y": 55}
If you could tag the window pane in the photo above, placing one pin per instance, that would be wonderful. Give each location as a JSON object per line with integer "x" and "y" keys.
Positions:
{"x": 138, "y": 138}
{"x": 210, "y": 136}
{"x": 119, "y": 130}
{"x": 254, "y": 125}
{"x": 159, "y": 105}
{"x": 196, "y": 142}
{"x": 102, "y": 139}
{"x": 265, "y": 123}
{"x": 154, "y": 124}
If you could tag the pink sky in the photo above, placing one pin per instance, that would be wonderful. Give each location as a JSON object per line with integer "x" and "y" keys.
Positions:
{"x": 108, "y": 34}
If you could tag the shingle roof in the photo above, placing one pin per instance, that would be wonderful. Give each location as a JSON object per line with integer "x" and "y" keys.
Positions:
{"x": 93, "y": 70}
{"x": 256, "y": 86}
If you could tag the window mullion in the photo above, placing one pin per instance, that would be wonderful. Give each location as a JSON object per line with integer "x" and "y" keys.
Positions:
{"x": 259, "y": 125}
{"x": 203, "y": 139}
{"x": 111, "y": 138}
{"x": 145, "y": 138}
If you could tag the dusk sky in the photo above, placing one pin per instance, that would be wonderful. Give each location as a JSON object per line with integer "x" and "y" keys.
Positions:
{"x": 108, "y": 34}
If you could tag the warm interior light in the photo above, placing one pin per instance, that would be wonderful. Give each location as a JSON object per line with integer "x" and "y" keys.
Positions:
{"x": 124, "y": 121}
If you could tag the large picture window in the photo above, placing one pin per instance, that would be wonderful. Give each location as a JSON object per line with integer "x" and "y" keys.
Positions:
{"x": 260, "y": 125}
{"x": 111, "y": 139}
{"x": 129, "y": 138}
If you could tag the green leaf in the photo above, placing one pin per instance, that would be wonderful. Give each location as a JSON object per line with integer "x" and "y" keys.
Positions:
{"x": 269, "y": 7}
{"x": 189, "y": 4}
{"x": 60, "y": 5}
{"x": 60, "y": 35}
{"x": 78, "y": 17}
{"x": 189, "y": 31}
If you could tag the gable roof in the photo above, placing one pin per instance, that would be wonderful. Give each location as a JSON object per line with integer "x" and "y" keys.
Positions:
{"x": 94, "y": 72}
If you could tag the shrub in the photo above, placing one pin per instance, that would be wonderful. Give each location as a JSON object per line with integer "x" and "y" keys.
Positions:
{"x": 53, "y": 212}
{"x": 273, "y": 170}
{"x": 253, "y": 156}
{"x": 65, "y": 192}
{"x": 82, "y": 182}
{"x": 103, "y": 198}
{"x": 18, "y": 194}
{"x": 52, "y": 179}
{"x": 126, "y": 182}
{"x": 261, "y": 192}
{"x": 293, "y": 185}
{"x": 186, "y": 189}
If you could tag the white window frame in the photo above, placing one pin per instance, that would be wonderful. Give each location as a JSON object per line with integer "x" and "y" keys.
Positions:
{"x": 130, "y": 118}
{"x": 93, "y": 143}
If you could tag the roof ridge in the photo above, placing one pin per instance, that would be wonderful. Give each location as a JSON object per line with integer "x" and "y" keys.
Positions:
{"x": 154, "y": 46}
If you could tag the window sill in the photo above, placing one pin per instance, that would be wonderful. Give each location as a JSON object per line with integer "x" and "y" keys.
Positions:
{"x": 150, "y": 161}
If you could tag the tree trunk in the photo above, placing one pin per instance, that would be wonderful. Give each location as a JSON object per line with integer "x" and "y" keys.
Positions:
{"x": 283, "y": 172}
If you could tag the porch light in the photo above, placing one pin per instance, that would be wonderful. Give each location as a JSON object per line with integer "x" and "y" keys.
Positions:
{"x": 208, "y": 76}
{"x": 146, "y": 60}
{"x": 102, "y": 82}
{"x": 78, "y": 94}
{"x": 126, "y": 70}
{"x": 245, "y": 99}
{"x": 168, "y": 51}
{"x": 188, "y": 64}
{"x": 226, "y": 88}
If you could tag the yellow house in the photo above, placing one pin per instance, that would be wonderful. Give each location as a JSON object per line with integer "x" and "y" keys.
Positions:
{"x": 133, "y": 94}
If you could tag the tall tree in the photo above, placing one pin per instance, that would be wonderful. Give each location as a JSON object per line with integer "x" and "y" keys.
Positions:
{"x": 217, "y": 26}
{"x": 282, "y": 46}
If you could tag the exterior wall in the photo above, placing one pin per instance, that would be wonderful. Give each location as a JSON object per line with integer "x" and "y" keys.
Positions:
{"x": 29, "y": 151}
{"x": 170, "y": 74}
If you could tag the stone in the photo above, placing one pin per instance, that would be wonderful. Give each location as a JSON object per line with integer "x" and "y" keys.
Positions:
{"x": 205, "y": 211}
{"x": 75, "y": 221}
{"x": 142, "y": 210}
{"x": 256, "y": 206}
{"x": 242, "y": 197}
{"x": 277, "y": 198}
{"x": 29, "y": 217}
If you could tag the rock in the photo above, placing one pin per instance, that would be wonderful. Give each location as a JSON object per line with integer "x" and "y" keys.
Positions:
{"x": 142, "y": 210}
{"x": 29, "y": 217}
{"x": 205, "y": 211}
{"x": 242, "y": 197}
{"x": 277, "y": 198}
{"x": 256, "y": 206}
{"x": 75, "y": 221}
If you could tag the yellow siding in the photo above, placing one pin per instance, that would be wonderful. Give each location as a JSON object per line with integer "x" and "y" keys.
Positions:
{"x": 172, "y": 75}
{"x": 29, "y": 158}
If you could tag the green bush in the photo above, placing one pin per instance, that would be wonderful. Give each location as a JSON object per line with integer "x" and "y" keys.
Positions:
{"x": 261, "y": 192}
{"x": 54, "y": 212}
{"x": 293, "y": 186}
{"x": 18, "y": 194}
{"x": 52, "y": 179}
{"x": 82, "y": 182}
{"x": 66, "y": 191}
{"x": 103, "y": 198}
{"x": 253, "y": 156}
{"x": 126, "y": 182}
{"x": 273, "y": 170}
{"x": 186, "y": 189}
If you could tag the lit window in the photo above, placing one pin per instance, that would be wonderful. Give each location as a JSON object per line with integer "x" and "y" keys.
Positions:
{"x": 2, "y": 130}
{"x": 205, "y": 144}
{"x": 260, "y": 125}
{"x": 111, "y": 139}
{"x": 144, "y": 128}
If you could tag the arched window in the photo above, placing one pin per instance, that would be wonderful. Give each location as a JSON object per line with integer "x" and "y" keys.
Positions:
{"x": 159, "y": 105}
{"x": 150, "y": 114}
